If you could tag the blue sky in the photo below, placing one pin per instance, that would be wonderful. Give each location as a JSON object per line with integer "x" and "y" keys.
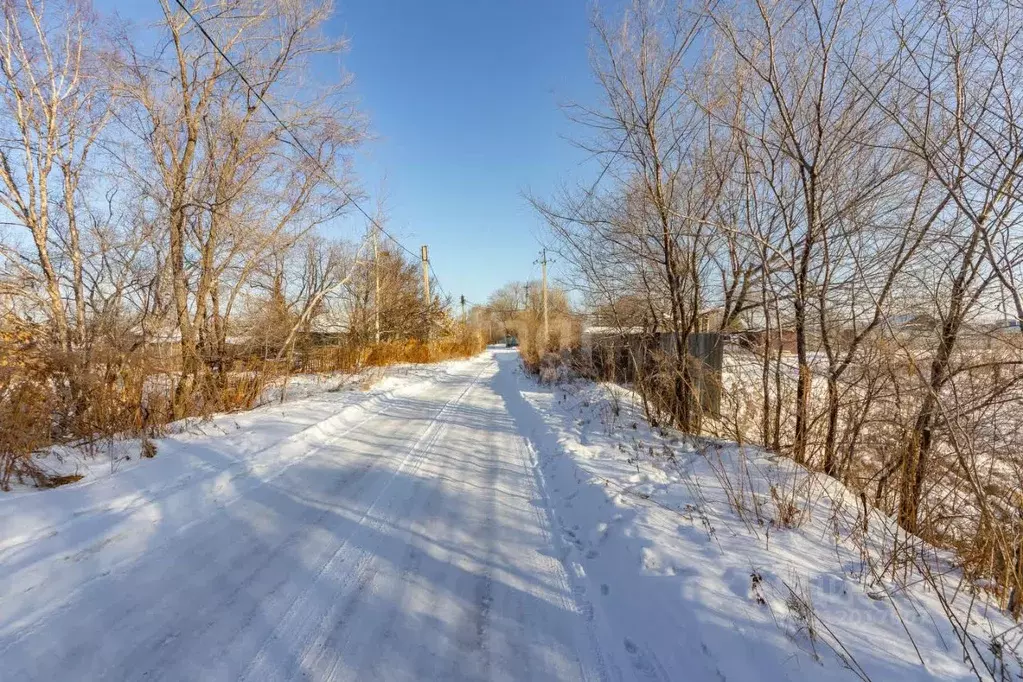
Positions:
{"x": 464, "y": 98}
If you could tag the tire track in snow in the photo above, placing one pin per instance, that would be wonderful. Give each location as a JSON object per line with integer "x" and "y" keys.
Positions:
{"x": 260, "y": 667}
{"x": 334, "y": 641}
{"x": 254, "y": 567}
{"x": 204, "y": 473}
{"x": 452, "y": 553}
{"x": 37, "y": 620}
{"x": 484, "y": 593}
{"x": 474, "y": 582}
{"x": 368, "y": 558}
{"x": 29, "y": 626}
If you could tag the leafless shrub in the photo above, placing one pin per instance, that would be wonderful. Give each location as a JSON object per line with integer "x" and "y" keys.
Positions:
{"x": 847, "y": 218}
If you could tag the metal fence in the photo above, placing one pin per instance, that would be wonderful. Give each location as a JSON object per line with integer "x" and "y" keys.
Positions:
{"x": 625, "y": 357}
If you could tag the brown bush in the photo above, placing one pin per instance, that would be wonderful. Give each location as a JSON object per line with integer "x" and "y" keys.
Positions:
{"x": 27, "y": 402}
{"x": 415, "y": 351}
{"x": 47, "y": 397}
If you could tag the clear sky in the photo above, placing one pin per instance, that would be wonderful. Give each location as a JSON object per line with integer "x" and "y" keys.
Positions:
{"x": 463, "y": 96}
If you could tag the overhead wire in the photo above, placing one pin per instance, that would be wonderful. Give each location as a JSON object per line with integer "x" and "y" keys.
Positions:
{"x": 348, "y": 195}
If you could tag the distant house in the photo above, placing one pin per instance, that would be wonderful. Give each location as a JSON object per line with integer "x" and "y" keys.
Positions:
{"x": 709, "y": 320}
{"x": 596, "y": 335}
{"x": 761, "y": 340}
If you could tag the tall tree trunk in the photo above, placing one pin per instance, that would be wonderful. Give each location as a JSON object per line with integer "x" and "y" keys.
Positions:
{"x": 831, "y": 435}
{"x": 918, "y": 448}
{"x": 179, "y": 280}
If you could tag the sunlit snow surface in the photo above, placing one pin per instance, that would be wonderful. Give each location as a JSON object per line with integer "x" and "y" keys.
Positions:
{"x": 456, "y": 522}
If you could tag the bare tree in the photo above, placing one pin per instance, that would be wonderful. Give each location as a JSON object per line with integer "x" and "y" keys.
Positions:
{"x": 231, "y": 186}
{"x": 834, "y": 186}
{"x": 54, "y": 105}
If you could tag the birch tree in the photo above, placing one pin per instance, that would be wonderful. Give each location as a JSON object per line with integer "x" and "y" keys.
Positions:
{"x": 229, "y": 184}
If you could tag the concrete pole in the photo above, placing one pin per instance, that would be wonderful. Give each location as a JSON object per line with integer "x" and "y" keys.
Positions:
{"x": 376, "y": 273}
{"x": 546, "y": 327}
{"x": 426, "y": 290}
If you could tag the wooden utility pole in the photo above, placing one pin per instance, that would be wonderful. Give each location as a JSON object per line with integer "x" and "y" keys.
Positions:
{"x": 426, "y": 289}
{"x": 463, "y": 310}
{"x": 376, "y": 273}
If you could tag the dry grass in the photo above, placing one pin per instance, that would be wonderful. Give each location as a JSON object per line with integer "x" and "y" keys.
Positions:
{"x": 399, "y": 352}
{"x": 26, "y": 405}
{"x": 47, "y": 398}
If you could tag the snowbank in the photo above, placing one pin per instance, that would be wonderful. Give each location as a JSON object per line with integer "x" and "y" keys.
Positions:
{"x": 201, "y": 459}
{"x": 728, "y": 563}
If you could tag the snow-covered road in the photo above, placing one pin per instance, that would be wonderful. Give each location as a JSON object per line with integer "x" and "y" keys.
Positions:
{"x": 411, "y": 541}
{"x": 459, "y": 521}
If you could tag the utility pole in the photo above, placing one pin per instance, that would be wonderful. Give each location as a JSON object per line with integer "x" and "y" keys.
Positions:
{"x": 463, "y": 310}
{"x": 426, "y": 288}
{"x": 546, "y": 327}
{"x": 376, "y": 273}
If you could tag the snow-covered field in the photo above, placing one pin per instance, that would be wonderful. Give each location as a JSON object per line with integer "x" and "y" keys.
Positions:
{"x": 458, "y": 521}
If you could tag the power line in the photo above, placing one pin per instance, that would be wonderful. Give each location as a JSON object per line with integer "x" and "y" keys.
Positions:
{"x": 603, "y": 171}
{"x": 439, "y": 285}
{"x": 297, "y": 141}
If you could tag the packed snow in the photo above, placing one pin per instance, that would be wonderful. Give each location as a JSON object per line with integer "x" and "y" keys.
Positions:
{"x": 460, "y": 521}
